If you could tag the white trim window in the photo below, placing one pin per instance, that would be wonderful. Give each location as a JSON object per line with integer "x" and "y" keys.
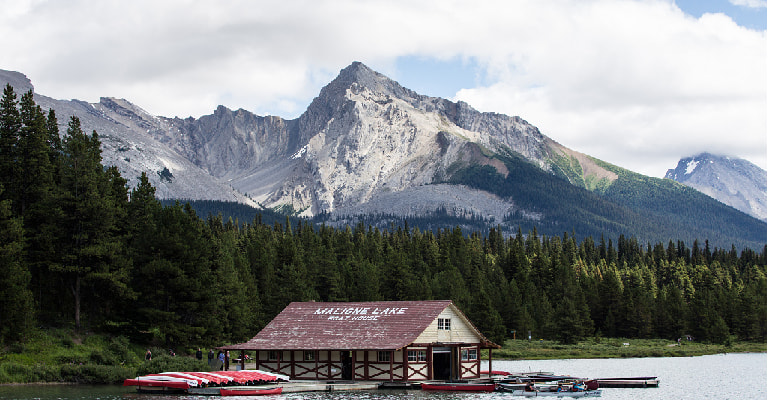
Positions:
{"x": 417, "y": 356}
{"x": 444, "y": 324}
{"x": 469, "y": 355}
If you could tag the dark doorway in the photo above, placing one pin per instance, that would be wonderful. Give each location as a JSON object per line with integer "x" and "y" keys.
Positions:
{"x": 346, "y": 366}
{"x": 441, "y": 364}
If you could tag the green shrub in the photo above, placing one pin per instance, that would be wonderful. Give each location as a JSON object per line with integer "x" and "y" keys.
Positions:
{"x": 19, "y": 373}
{"x": 71, "y": 358}
{"x": 95, "y": 374}
{"x": 16, "y": 372}
{"x": 120, "y": 347}
{"x": 17, "y": 347}
{"x": 47, "y": 373}
{"x": 100, "y": 357}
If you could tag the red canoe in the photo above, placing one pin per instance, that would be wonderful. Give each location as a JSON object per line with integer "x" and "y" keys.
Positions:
{"x": 156, "y": 383}
{"x": 465, "y": 387}
{"x": 495, "y": 372}
{"x": 251, "y": 391}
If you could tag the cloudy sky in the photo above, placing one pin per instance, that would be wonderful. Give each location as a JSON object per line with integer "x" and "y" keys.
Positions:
{"x": 638, "y": 83}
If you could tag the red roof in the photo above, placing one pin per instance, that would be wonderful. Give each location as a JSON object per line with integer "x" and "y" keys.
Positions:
{"x": 379, "y": 325}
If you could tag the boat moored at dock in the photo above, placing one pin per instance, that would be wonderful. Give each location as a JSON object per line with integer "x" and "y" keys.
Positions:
{"x": 250, "y": 391}
{"x": 636, "y": 382}
{"x": 563, "y": 394}
{"x": 459, "y": 386}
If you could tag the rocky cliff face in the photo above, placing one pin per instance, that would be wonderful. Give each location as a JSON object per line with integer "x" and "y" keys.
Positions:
{"x": 365, "y": 144}
{"x": 732, "y": 181}
{"x": 363, "y": 138}
{"x": 127, "y": 134}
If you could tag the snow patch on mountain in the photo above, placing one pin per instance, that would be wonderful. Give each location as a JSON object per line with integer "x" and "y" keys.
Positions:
{"x": 691, "y": 167}
{"x": 730, "y": 180}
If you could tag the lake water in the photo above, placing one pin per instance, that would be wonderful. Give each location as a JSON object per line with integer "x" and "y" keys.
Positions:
{"x": 722, "y": 376}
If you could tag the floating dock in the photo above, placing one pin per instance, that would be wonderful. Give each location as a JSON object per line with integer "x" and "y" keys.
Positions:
{"x": 628, "y": 383}
{"x": 295, "y": 387}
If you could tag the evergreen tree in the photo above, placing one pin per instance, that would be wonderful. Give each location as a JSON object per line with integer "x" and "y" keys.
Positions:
{"x": 91, "y": 256}
{"x": 671, "y": 313}
{"x": 38, "y": 197}
{"x": 10, "y": 129}
{"x": 16, "y": 309}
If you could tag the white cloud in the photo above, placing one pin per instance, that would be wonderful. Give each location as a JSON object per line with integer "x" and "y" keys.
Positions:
{"x": 638, "y": 84}
{"x": 749, "y": 3}
{"x": 635, "y": 82}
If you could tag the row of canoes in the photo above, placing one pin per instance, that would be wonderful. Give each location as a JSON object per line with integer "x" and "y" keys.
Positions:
{"x": 226, "y": 383}
{"x": 254, "y": 383}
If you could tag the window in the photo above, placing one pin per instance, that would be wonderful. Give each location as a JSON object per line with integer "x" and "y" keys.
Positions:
{"x": 309, "y": 355}
{"x": 417, "y": 355}
{"x": 444, "y": 324}
{"x": 383, "y": 356}
{"x": 272, "y": 355}
{"x": 469, "y": 355}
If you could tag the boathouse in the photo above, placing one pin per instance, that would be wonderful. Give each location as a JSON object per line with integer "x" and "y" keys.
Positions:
{"x": 385, "y": 340}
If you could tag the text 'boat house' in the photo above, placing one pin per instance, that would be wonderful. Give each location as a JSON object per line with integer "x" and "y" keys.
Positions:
{"x": 385, "y": 340}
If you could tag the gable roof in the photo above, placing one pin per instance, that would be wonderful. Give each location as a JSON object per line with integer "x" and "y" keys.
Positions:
{"x": 379, "y": 325}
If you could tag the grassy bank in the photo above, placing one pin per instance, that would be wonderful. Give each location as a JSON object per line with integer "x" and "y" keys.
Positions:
{"x": 616, "y": 348}
{"x": 60, "y": 356}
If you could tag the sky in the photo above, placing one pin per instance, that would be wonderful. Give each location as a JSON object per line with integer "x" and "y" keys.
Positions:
{"x": 637, "y": 83}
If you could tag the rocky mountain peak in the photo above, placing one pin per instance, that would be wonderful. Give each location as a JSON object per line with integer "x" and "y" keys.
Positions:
{"x": 21, "y": 84}
{"x": 357, "y": 77}
{"x": 730, "y": 180}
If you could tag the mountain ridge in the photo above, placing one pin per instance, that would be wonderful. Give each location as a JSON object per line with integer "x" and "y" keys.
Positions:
{"x": 366, "y": 145}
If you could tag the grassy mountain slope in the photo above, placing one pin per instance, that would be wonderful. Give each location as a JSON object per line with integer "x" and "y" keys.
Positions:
{"x": 679, "y": 209}
{"x": 650, "y": 209}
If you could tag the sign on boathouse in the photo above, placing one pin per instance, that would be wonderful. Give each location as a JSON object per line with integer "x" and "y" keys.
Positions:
{"x": 358, "y": 313}
{"x": 386, "y": 340}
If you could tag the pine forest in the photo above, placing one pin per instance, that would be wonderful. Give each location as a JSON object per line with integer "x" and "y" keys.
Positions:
{"x": 79, "y": 249}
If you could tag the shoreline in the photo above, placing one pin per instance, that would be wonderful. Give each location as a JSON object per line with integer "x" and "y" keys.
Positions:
{"x": 483, "y": 360}
{"x": 601, "y": 348}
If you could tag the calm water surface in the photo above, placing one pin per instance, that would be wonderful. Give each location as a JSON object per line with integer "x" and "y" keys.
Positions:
{"x": 723, "y": 376}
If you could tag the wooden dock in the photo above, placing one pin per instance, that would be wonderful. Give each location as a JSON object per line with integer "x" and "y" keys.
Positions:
{"x": 331, "y": 386}
{"x": 297, "y": 387}
{"x": 628, "y": 383}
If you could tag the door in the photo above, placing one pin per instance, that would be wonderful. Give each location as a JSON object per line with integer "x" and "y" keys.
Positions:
{"x": 442, "y": 363}
{"x": 346, "y": 365}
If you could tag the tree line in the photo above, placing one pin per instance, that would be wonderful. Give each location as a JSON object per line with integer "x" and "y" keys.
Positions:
{"x": 79, "y": 249}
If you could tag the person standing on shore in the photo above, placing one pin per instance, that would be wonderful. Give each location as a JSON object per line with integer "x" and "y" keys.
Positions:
{"x": 199, "y": 354}
{"x": 210, "y": 357}
{"x": 148, "y": 355}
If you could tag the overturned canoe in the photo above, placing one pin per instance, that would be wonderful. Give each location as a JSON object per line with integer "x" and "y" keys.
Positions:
{"x": 251, "y": 391}
{"x": 160, "y": 384}
{"x": 464, "y": 387}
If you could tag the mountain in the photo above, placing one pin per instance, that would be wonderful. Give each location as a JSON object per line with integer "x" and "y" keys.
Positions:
{"x": 368, "y": 148}
{"x": 733, "y": 181}
{"x": 124, "y": 130}
{"x": 364, "y": 140}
